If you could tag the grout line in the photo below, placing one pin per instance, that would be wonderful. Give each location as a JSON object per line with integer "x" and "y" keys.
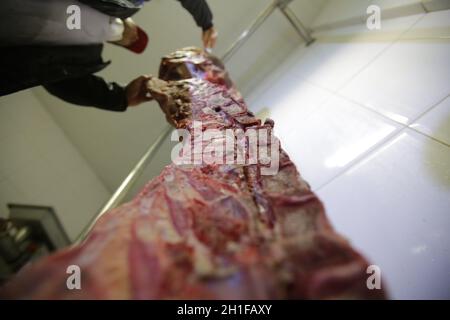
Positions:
{"x": 422, "y": 114}
{"x": 339, "y": 88}
{"x": 385, "y": 140}
{"x": 394, "y": 41}
{"x": 356, "y": 103}
{"x": 382, "y": 143}
{"x": 429, "y": 109}
{"x": 363, "y": 156}
{"x": 337, "y": 91}
{"x": 432, "y": 138}
{"x": 402, "y": 126}
{"x": 359, "y": 104}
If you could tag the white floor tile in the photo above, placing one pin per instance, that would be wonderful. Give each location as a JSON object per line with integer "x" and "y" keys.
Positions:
{"x": 390, "y": 30}
{"x": 254, "y": 99}
{"x": 433, "y": 25}
{"x": 436, "y": 122}
{"x": 290, "y": 102}
{"x": 327, "y": 140}
{"x": 406, "y": 80}
{"x": 341, "y": 54}
{"x": 394, "y": 206}
{"x": 332, "y": 64}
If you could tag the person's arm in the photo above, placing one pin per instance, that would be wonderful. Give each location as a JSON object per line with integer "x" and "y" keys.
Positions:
{"x": 93, "y": 91}
{"x": 90, "y": 91}
{"x": 200, "y": 11}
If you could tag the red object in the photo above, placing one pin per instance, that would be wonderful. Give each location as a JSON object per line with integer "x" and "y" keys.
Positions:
{"x": 139, "y": 45}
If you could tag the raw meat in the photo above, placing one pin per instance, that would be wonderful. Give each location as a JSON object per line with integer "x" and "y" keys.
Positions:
{"x": 208, "y": 231}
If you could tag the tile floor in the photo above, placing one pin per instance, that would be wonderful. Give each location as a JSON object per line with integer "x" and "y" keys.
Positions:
{"x": 366, "y": 117}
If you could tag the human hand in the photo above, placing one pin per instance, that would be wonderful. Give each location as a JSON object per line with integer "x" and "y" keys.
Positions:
{"x": 209, "y": 38}
{"x": 137, "y": 92}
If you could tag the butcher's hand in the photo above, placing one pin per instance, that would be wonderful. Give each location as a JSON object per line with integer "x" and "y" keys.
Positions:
{"x": 137, "y": 92}
{"x": 209, "y": 38}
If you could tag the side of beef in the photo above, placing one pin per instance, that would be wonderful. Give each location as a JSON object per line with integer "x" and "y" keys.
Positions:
{"x": 201, "y": 230}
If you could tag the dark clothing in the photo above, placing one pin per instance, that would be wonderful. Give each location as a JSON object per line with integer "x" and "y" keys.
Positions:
{"x": 116, "y": 8}
{"x": 68, "y": 71}
{"x": 126, "y": 8}
{"x": 200, "y": 11}
{"x": 90, "y": 91}
{"x": 65, "y": 71}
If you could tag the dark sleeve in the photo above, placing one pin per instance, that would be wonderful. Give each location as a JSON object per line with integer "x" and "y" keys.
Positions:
{"x": 90, "y": 91}
{"x": 121, "y": 9}
{"x": 199, "y": 9}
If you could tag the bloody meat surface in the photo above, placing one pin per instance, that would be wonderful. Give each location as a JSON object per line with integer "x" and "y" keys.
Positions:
{"x": 207, "y": 231}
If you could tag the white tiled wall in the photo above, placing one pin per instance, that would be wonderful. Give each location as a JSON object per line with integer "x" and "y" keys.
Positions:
{"x": 422, "y": 72}
{"x": 40, "y": 166}
{"x": 366, "y": 117}
{"x": 338, "y": 13}
{"x": 436, "y": 122}
{"x": 394, "y": 206}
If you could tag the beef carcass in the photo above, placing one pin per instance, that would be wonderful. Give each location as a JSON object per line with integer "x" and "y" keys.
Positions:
{"x": 208, "y": 229}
